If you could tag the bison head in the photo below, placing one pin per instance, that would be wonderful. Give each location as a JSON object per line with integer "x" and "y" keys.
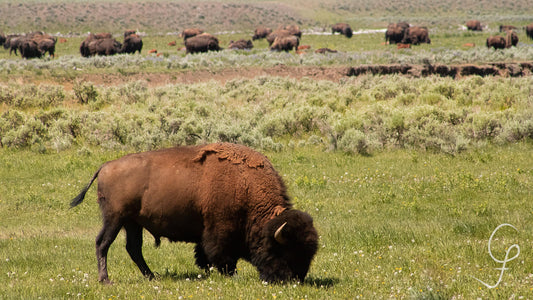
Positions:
{"x": 289, "y": 244}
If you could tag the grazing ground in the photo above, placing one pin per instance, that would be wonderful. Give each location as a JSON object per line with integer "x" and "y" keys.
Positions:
{"x": 407, "y": 159}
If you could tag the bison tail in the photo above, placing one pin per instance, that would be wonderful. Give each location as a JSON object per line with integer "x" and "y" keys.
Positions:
{"x": 79, "y": 199}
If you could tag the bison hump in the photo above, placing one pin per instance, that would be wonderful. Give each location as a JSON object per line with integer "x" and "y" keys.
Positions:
{"x": 234, "y": 153}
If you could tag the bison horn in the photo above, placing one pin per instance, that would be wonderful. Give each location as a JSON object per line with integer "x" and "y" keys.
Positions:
{"x": 277, "y": 234}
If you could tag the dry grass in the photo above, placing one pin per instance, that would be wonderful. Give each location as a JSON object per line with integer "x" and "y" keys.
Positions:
{"x": 219, "y": 16}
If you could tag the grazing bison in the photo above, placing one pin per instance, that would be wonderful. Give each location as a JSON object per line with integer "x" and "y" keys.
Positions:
{"x": 504, "y": 28}
{"x": 13, "y": 43}
{"x": 241, "y": 44}
{"x": 190, "y": 32}
{"x": 2, "y": 39}
{"x": 395, "y": 32}
{"x": 285, "y": 43}
{"x": 202, "y": 43}
{"x": 276, "y": 33}
{"x": 47, "y": 45}
{"x": 45, "y": 42}
{"x": 29, "y": 48}
{"x": 225, "y": 198}
{"x": 529, "y": 30}
{"x": 474, "y": 25}
{"x": 261, "y": 33}
{"x": 511, "y": 39}
{"x": 415, "y": 35}
{"x": 294, "y": 30}
{"x": 343, "y": 29}
{"x": 496, "y": 42}
{"x": 132, "y": 43}
{"x": 104, "y": 47}
{"x": 84, "y": 46}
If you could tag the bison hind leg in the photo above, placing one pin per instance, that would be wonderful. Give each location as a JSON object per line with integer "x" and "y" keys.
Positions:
{"x": 134, "y": 241}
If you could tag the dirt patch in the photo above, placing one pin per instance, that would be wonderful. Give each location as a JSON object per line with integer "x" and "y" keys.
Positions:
{"x": 334, "y": 74}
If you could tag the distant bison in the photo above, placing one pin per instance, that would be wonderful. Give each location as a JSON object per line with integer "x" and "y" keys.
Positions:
{"x": 132, "y": 43}
{"x": 529, "y": 30}
{"x": 225, "y": 198}
{"x": 84, "y": 46}
{"x": 511, "y": 39}
{"x": 285, "y": 43}
{"x": 12, "y": 42}
{"x": 202, "y": 43}
{"x": 504, "y": 28}
{"x": 294, "y": 30}
{"x": 415, "y": 35}
{"x": 190, "y": 32}
{"x": 104, "y": 47}
{"x": 343, "y": 29}
{"x": 276, "y": 33}
{"x": 496, "y": 42}
{"x": 29, "y": 48}
{"x": 395, "y": 32}
{"x": 261, "y": 33}
{"x": 474, "y": 25}
{"x": 241, "y": 44}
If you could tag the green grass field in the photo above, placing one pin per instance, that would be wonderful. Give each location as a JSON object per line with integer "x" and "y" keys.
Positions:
{"x": 399, "y": 224}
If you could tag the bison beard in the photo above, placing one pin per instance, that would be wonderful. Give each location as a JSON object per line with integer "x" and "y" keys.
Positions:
{"x": 225, "y": 198}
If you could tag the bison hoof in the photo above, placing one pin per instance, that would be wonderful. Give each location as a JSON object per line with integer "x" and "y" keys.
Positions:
{"x": 106, "y": 281}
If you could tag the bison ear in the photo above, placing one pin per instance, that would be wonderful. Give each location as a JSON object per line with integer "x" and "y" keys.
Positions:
{"x": 278, "y": 235}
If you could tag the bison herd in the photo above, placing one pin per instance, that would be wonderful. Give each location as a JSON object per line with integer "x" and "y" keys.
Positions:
{"x": 31, "y": 45}
{"x": 498, "y": 41}
{"x": 195, "y": 40}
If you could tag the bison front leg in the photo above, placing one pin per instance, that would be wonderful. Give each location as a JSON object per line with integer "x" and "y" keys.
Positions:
{"x": 201, "y": 257}
{"x": 104, "y": 239}
{"x": 134, "y": 241}
{"x": 220, "y": 251}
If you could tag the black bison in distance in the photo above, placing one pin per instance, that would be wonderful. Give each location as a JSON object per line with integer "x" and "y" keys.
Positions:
{"x": 225, "y": 198}
{"x": 343, "y": 29}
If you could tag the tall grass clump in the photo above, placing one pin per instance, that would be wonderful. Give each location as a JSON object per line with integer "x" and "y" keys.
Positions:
{"x": 360, "y": 115}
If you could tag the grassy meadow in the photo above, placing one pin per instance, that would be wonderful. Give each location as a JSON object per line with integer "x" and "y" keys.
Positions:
{"x": 406, "y": 177}
{"x": 398, "y": 224}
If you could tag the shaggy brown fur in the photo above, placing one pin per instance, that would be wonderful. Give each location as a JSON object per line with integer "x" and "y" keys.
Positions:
{"x": 225, "y": 198}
